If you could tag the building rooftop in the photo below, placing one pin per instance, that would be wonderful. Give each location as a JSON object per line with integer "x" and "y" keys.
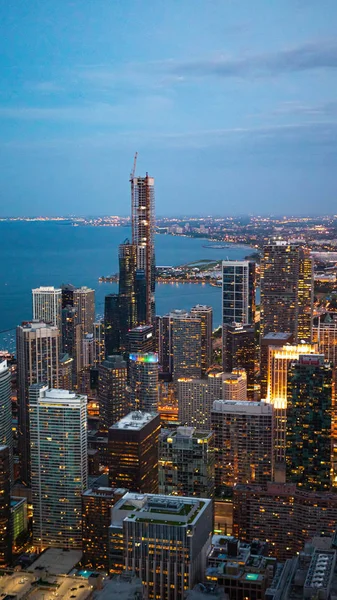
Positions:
{"x": 186, "y": 432}
{"x": 124, "y": 587}
{"x": 105, "y": 492}
{"x": 47, "y": 288}
{"x": 35, "y": 324}
{"x": 56, "y": 561}
{"x": 165, "y": 510}
{"x": 243, "y": 407}
{"x": 3, "y": 366}
{"x": 278, "y": 335}
{"x": 134, "y": 420}
{"x": 59, "y": 396}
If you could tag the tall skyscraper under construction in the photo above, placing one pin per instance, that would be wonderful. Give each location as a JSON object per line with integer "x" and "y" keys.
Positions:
{"x": 143, "y": 223}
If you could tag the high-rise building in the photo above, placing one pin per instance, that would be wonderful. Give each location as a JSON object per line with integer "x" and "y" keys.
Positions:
{"x": 111, "y": 325}
{"x": 279, "y": 359}
{"x": 325, "y": 335}
{"x": 243, "y": 442}
{"x": 141, "y": 339}
{"x": 47, "y": 305}
{"x": 185, "y": 344}
{"x": 99, "y": 342}
{"x": 186, "y": 462}
{"x": 66, "y": 371}
{"x": 143, "y": 225}
{"x": 205, "y": 314}
{"x": 84, "y": 304}
{"x": 112, "y": 391}
{"x": 58, "y": 430}
{"x": 238, "y": 292}
{"x": 96, "y": 520}
{"x": 6, "y": 425}
{"x": 240, "y": 352}
{"x": 127, "y": 292}
{"x": 234, "y": 385}
{"x": 311, "y": 441}
{"x": 165, "y": 541}
{"x": 37, "y": 348}
{"x": 286, "y": 290}
{"x": 143, "y": 376}
{"x": 133, "y": 452}
{"x": 195, "y": 400}
{"x": 275, "y": 339}
{"x": 5, "y": 509}
{"x": 67, "y": 290}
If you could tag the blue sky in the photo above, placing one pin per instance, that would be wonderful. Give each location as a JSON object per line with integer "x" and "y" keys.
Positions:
{"x": 231, "y": 105}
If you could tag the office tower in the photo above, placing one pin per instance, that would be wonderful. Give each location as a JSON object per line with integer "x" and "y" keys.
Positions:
{"x": 143, "y": 376}
{"x": 283, "y": 515}
{"x": 168, "y": 403}
{"x": 186, "y": 462}
{"x": 205, "y": 314}
{"x": 47, "y": 305}
{"x": 72, "y": 340}
{"x": 164, "y": 343}
{"x": 59, "y": 470}
{"x": 286, "y": 290}
{"x": 143, "y": 227}
{"x": 195, "y": 400}
{"x": 67, "y": 291}
{"x": 133, "y": 452}
{"x": 311, "y": 442}
{"x": 140, "y": 294}
{"x": 111, "y": 324}
{"x": 279, "y": 359}
{"x": 234, "y": 385}
{"x": 243, "y": 440}
{"x": 65, "y": 371}
{"x": 127, "y": 293}
{"x": 96, "y": 519}
{"x": 5, "y": 510}
{"x": 6, "y": 426}
{"x": 112, "y": 391}
{"x": 88, "y": 350}
{"x": 186, "y": 345}
{"x": 165, "y": 540}
{"x": 238, "y": 292}
{"x": 84, "y": 304}
{"x": 141, "y": 339}
{"x": 275, "y": 339}
{"x": 99, "y": 342}
{"x": 19, "y": 522}
{"x": 240, "y": 352}
{"x": 325, "y": 335}
{"x": 37, "y": 348}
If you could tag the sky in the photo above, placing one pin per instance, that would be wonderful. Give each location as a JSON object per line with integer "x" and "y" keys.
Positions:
{"x": 230, "y": 104}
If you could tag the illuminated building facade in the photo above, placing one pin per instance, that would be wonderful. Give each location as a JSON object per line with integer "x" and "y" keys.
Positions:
{"x": 195, "y": 400}
{"x": 47, "y": 305}
{"x": 143, "y": 380}
{"x": 96, "y": 519}
{"x": 112, "y": 392}
{"x": 143, "y": 224}
{"x": 84, "y": 304}
{"x": 141, "y": 339}
{"x": 58, "y": 421}
{"x": 271, "y": 339}
{"x": 99, "y": 342}
{"x": 279, "y": 359}
{"x": 5, "y": 510}
{"x": 240, "y": 352}
{"x": 238, "y": 292}
{"x": 6, "y": 426}
{"x": 127, "y": 293}
{"x": 111, "y": 325}
{"x": 37, "y": 347}
{"x": 311, "y": 444}
{"x": 186, "y": 462}
{"x": 186, "y": 345}
{"x": 133, "y": 452}
{"x": 19, "y": 520}
{"x": 287, "y": 290}
{"x": 66, "y": 371}
{"x": 165, "y": 541}
{"x": 243, "y": 442}
{"x": 325, "y": 334}
{"x": 205, "y": 314}
{"x": 234, "y": 385}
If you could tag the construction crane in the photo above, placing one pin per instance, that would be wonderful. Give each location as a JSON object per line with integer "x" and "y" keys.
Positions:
{"x": 132, "y": 174}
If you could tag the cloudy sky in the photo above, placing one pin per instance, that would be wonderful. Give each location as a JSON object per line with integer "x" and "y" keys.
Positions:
{"x": 231, "y": 105}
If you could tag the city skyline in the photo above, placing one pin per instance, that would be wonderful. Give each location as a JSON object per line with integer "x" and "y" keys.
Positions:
{"x": 245, "y": 95}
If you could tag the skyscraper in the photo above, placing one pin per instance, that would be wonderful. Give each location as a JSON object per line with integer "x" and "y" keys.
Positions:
{"x": 5, "y": 508}
{"x": 112, "y": 325}
{"x": 234, "y": 385}
{"x": 239, "y": 352}
{"x": 275, "y": 339}
{"x": 143, "y": 375}
{"x": 47, "y": 305}
{"x": 185, "y": 344}
{"x": 133, "y": 452}
{"x": 141, "y": 339}
{"x": 58, "y": 429}
{"x": 112, "y": 392}
{"x": 127, "y": 292}
{"x": 6, "y": 426}
{"x": 205, "y": 314}
{"x": 243, "y": 442}
{"x": 99, "y": 342}
{"x": 37, "y": 348}
{"x": 84, "y": 304}
{"x": 238, "y": 292}
{"x": 286, "y": 290}
{"x": 195, "y": 400}
{"x": 325, "y": 334}
{"x": 143, "y": 225}
{"x": 311, "y": 441}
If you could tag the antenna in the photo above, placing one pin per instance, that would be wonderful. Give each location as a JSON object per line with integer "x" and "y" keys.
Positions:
{"x": 132, "y": 174}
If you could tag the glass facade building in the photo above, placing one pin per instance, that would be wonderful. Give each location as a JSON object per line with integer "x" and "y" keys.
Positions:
{"x": 6, "y": 425}
{"x": 143, "y": 381}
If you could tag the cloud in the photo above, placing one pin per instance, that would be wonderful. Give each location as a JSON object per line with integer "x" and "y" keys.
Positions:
{"x": 313, "y": 55}
{"x": 325, "y": 109}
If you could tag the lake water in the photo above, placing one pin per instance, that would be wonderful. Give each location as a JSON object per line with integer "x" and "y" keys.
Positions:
{"x": 52, "y": 253}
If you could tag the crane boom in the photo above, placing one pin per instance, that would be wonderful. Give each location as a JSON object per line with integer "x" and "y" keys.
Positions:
{"x": 132, "y": 174}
